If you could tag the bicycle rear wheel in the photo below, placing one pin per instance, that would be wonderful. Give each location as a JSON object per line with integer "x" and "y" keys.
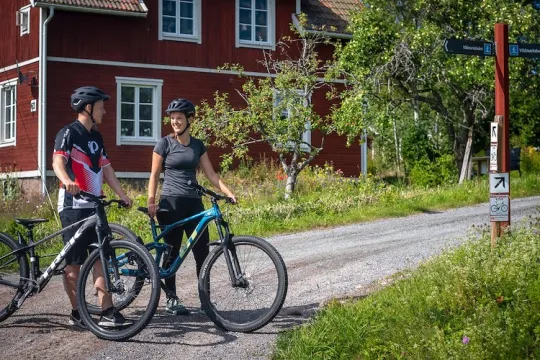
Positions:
{"x": 132, "y": 261}
{"x": 134, "y": 284}
{"x": 257, "y": 301}
{"x": 13, "y": 269}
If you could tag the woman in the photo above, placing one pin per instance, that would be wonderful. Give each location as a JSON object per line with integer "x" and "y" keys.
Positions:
{"x": 179, "y": 155}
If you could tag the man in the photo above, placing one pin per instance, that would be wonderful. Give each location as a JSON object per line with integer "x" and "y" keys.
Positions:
{"x": 80, "y": 163}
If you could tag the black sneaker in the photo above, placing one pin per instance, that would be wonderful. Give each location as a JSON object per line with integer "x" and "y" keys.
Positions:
{"x": 112, "y": 318}
{"x": 75, "y": 320}
{"x": 175, "y": 306}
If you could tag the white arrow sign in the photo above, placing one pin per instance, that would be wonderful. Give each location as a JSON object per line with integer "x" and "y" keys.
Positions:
{"x": 499, "y": 183}
{"x": 494, "y": 132}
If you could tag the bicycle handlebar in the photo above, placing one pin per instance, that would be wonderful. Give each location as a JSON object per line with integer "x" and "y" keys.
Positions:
{"x": 99, "y": 199}
{"x": 204, "y": 191}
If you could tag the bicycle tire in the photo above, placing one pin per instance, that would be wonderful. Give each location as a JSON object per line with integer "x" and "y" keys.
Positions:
{"x": 137, "y": 284}
{"x": 504, "y": 208}
{"x": 494, "y": 208}
{"x": 7, "y": 245}
{"x": 144, "y": 262}
{"x": 220, "y": 317}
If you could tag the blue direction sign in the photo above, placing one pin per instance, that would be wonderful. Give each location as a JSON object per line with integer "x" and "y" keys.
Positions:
{"x": 468, "y": 47}
{"x": 525, "y": 50}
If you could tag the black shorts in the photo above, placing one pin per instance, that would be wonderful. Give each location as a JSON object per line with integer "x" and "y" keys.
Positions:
{"x": 79, "y": 252}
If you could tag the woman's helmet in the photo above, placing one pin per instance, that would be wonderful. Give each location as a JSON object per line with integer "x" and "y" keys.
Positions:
{"x": 86, "y": 95}
{"x": 181, "y": 105}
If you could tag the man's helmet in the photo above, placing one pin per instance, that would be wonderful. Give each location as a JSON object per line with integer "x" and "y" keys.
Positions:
{"x": 86, "y": 95}
{"x": 181, "y": 105}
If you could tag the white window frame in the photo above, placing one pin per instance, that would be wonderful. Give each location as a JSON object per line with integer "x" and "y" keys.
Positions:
{"x": 157, "y": 84}
{"x": 306, "y": 135}
{"x": 197, "y": 25}
{"x": 271, "y": 43}
{"x": 23, "y": 13}
{"x": 12, "y": 83}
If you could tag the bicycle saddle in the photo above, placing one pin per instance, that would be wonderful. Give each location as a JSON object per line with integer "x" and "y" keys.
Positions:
{"x": 30, "y": 222}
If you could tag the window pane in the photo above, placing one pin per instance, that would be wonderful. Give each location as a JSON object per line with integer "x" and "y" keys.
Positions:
{"x": 146, "y": 95}
{"x": 245, "y": 16}
{"x": 245, "y": 32}
{"x": 145, "y": 112}
{"x": 261, "y": 4}
{"x": 127, "y": 111}
{"x": 169, "y": 25}
{"x": 186, "y": 26}
{"x": 261, "y": 33}
{"x": 245, "y": 4}
{"x": 127, "y": 128}
{"x": 261, "y": 18}
{"x": 128, "y": 94}
{"x": 145, "y": 129}
{"x": 8, "y": 97}
{"x": 186, "y": 10}
{"x": 8, "y": 131}
{"x": 169, "y": 8}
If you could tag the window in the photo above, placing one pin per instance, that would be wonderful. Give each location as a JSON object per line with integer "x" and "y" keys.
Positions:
{"x": 255, "y": 21}
{"x": 23, "y": 20}
{"x": 138, "y": 111}
{"x": 180, "y": 20}
{"x": 8, "y": 104}
{"x": 285, "y": 114}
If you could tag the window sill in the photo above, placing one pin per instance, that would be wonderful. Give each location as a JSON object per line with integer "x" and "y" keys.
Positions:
{"x": 191, "y": 39}
{"x": 137, "y": 142}
{"x": 6, "y": 144}
{"x": 255, "y": 45}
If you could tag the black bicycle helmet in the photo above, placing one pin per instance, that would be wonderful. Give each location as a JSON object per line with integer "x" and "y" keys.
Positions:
{"x": 86, "y": 95}
{"x": 181, "y": 105}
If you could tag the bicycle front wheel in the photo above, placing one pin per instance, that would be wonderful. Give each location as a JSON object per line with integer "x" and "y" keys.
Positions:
{"x": 120, "y": 232}
{"x": 260, "y": 293}
{"x": 13, "y": 275}
{"x": 126, "y": 260}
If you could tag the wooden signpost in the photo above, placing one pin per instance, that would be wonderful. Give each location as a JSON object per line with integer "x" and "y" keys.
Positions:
{"x": 499, "y": 161}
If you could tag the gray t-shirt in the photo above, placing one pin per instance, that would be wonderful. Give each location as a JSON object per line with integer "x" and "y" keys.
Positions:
{"x": 180, "y": 164}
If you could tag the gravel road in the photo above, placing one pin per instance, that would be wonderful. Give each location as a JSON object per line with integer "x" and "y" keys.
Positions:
{"x": 322, "y": 264}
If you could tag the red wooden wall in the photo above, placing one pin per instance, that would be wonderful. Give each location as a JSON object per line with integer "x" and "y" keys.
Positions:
{"x": 14, "y": 47}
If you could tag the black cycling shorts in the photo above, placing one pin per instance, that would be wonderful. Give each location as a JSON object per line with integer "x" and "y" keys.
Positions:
{"x": 80, "y": 250}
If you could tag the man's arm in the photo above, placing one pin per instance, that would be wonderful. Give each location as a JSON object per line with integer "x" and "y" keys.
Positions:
{"x": 111, "y": 179}
{"x": 59, "y": 167}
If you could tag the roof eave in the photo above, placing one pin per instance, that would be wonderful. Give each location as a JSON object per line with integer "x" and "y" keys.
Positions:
{"x": 331, "y": 34}
{"x": 90, "y": 10}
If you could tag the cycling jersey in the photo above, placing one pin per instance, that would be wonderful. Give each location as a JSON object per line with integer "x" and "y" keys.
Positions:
{"x": 85, "y": 158}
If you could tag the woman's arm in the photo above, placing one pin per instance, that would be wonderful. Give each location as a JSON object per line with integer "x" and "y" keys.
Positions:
{"x": 157, "y": 163}
{"x": 208, "y": 170}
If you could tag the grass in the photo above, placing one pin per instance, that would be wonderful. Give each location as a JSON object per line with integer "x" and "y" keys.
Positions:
{"x": 469, "y": 303}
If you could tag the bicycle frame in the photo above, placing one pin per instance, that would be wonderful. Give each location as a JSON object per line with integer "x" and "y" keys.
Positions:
{"x": 205, "y": 217}
{"x": 97, "y": 220}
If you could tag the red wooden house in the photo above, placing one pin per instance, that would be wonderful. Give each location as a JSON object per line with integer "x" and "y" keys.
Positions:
{"x": 143, "y": 53}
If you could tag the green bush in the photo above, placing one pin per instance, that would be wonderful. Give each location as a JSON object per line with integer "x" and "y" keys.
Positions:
{"x": 530, "y": 160}
{"x": 428, "y": 174}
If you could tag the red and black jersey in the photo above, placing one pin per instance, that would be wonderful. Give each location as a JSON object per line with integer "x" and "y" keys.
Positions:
{"x": 85, "y": 158}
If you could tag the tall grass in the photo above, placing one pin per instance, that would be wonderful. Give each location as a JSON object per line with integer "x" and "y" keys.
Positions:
{"x": 470, "y": 303}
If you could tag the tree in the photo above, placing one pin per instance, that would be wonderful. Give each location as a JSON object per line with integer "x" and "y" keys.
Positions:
{"x": 396, "y": 57}
{"x": 276, "y": 110}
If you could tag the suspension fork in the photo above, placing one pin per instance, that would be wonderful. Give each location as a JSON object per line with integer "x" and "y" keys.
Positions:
{"x": 235, "y": 272}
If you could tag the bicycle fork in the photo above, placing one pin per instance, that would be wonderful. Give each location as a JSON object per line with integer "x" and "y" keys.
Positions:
{"x": 229, "y": 251}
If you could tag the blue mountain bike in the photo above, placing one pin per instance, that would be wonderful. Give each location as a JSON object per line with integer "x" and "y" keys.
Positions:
{"x": 243, "y": 281}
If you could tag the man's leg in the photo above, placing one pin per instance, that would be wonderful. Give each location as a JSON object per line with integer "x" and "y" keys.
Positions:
{"x": 71, "y": 274}
{"x": 104, "y": 298}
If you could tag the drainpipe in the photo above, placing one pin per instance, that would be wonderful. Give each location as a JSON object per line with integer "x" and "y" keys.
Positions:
{"x": 42, "y": 94}
{"x": 364, "y": 154}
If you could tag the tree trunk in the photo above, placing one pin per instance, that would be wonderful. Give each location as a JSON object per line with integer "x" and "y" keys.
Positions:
{"x": 291, "y": 184}
{"x": 465, "y": 168}
{"x": 398, "y": 152}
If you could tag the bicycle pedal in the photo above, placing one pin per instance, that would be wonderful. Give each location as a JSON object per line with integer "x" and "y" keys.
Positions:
{"x": 58, "y": 272}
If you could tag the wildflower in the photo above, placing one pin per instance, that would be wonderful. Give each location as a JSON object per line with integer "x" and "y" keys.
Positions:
{"x": 465, "y": 340}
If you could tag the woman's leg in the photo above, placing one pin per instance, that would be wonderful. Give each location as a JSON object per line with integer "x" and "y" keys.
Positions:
{"x": 200, "y": 249}
{"x": 173, "y": 238}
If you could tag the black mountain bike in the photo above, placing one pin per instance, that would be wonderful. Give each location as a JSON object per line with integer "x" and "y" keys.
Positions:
{"x": 117, "y": 254}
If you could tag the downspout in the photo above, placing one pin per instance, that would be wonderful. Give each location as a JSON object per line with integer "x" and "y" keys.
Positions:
{"x": 364, "y": 154}
{"x": 42, "y": 94}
